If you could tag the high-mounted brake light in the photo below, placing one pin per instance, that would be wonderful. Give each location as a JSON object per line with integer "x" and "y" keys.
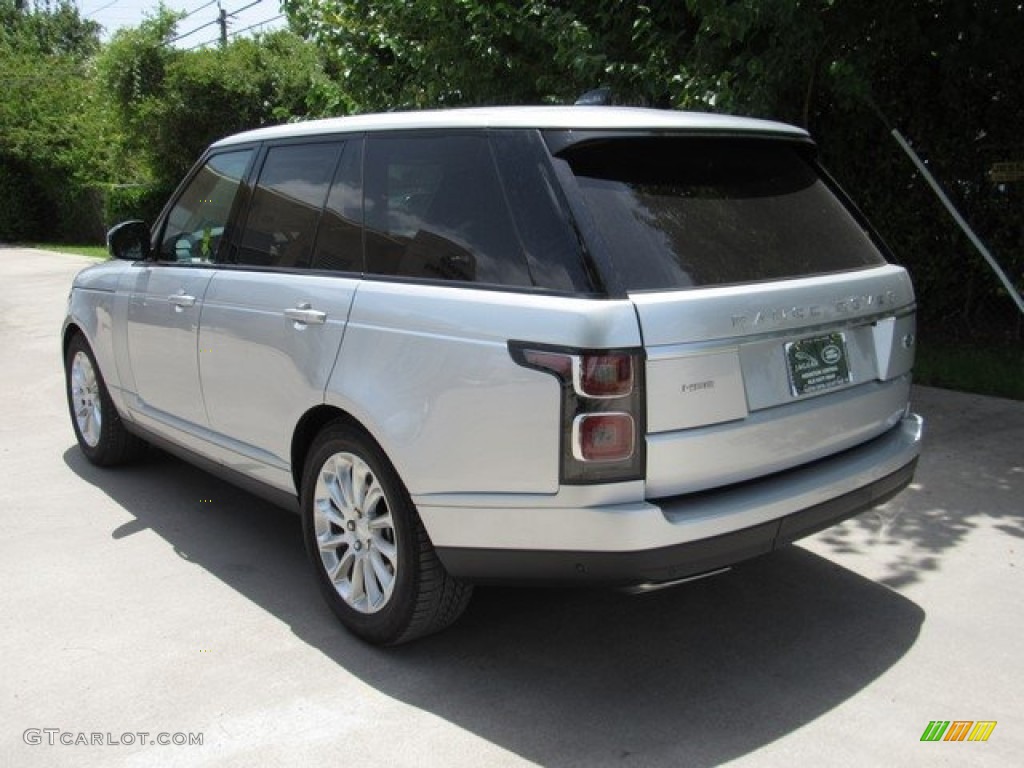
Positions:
{"x": 603, "y": 409}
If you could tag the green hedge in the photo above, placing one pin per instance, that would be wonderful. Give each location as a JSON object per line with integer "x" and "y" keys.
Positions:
{"x": 132, "y": 201}
{"x": 41, "y": 205}
{"x": 25, "y": 210}
{"x": 38, "y": 203}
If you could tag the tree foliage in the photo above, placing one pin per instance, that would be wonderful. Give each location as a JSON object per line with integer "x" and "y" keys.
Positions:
{"x": 51, "y": 126}
{"x": 50, "y": 29}
{"x": 948, "y": 73}
{"x": 389, "y": 53}
{"x": 79, "y": 120}
{"x": 174, "y": 103}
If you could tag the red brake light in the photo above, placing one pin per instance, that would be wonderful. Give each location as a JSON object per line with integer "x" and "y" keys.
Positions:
{"x": 557, "y": 363}
{"x": 606, "y": 375}
{"x": 602, "y": 410}
{"x": 603, "y": 436}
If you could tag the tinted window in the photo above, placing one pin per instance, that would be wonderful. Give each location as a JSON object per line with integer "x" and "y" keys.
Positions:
{"x": 677, "y": 212}
{"x": 553, "y": 250}
{"x": 434, "y": 209}
{"x": 196, "y": 224}
{"x": 339, "y": 242}
{"x": 286, "y": 203}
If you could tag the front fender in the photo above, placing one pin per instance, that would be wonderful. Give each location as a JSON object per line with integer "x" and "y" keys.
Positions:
{"x": 97, "y": 308}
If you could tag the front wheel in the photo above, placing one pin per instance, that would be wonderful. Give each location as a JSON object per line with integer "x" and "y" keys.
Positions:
{"x": 373, "y": 560}
{"x": 101, "y": 434}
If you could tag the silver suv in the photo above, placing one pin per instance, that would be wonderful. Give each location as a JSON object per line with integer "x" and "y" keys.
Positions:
{"x": 584, "y": 344}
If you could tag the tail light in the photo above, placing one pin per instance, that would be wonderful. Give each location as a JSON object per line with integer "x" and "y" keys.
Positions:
{"x": 603, "y": 437}
{"x": 602, "y": 410}
{"x": 605, "y": 375}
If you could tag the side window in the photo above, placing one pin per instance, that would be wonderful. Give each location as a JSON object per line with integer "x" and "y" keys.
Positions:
{"x": 553, "y": 249}
{"x": 434, "y": 208}
{"x": 196, "y": 225}
{"x": 339, "y": 241}
{"x": 286, "y": 205}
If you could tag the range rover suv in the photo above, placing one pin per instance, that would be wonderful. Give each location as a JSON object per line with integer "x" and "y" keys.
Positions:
{"x": 532, "y": 345}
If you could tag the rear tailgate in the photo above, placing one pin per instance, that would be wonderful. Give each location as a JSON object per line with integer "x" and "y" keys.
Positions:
{"x": 736, "y": 384}
{"x": 775, "y": 331}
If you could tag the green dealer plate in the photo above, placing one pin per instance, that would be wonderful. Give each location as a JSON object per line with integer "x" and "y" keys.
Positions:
{"x": 817, "y": 363}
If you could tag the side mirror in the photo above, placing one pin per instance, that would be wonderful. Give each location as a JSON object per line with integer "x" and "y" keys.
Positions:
{"x": 129, "y": 240}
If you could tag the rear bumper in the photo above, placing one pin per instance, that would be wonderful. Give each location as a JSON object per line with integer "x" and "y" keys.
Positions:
{"x": 669, "y": 539}
{"x": 673, "y": 562}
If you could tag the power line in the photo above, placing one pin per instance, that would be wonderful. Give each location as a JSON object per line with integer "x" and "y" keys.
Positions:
{"x": 182, "y": 15}
{"x": 221, "y": 19}
{"x": 102, "y": 8}
{"x": 187, "y": 34}
{"x": 258, "y": 24}
{"x": 237, "y": 32}
{"x": 245, "y": 8}
{"x": 195, "y": 10}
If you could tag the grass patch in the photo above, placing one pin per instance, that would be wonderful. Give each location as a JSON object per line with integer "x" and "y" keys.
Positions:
{"x": 997, "y": 371}
{"x": 92, "y": 251}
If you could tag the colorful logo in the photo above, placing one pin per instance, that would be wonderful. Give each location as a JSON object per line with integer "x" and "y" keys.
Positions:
{"x": 958, "y": 730}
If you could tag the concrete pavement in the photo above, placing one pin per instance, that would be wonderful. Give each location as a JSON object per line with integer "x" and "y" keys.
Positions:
{"x": 158, "y": 599}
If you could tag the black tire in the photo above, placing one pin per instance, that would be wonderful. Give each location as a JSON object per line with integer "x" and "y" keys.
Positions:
{"x": 109, "y": 444}
{"x": 415, "y": 596}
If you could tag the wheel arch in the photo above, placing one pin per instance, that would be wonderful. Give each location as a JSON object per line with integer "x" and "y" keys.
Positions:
{"x": 102, "y": 345}
{"x": 71, "y": 330}
{"x": 309, "y": 426}
{"x": 114, "y": 444}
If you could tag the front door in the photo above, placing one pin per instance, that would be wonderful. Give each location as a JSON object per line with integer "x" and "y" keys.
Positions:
{"x": 168, "y": 293}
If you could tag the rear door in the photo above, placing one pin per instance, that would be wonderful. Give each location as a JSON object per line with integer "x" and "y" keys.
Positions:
{"x": 276, "y": 311}
{"x": 775, "y": 332}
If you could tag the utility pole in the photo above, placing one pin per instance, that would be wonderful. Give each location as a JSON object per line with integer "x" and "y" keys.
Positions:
{"x": 223, "y": 19}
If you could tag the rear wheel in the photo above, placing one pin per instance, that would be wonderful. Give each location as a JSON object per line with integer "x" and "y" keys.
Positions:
{"x": 373, "y": 560}
{"x": 101, "y": 434}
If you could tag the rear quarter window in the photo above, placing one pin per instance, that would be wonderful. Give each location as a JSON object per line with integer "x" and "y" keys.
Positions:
{"x": 677, "y": 212}
{"x": 435, "y": 209}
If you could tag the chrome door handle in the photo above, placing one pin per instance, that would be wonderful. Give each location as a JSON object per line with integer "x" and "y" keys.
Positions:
{"x": 306, "y": 315}
{"x": 181, "y": 300}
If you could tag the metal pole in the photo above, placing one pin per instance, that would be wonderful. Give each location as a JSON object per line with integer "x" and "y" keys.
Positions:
{"x": 975, "y": 240}
{"x": 223, "y": 27}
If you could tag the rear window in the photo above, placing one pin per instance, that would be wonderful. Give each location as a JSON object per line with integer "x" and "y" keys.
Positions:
{"x": 688, "y": 212}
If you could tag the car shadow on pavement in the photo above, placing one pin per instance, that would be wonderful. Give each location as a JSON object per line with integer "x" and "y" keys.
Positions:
{"x": 695, "y": 675}
{"x": 970, "y": 475}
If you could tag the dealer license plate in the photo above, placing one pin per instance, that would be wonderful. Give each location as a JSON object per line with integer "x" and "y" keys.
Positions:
{"x": 817, "y": 363}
